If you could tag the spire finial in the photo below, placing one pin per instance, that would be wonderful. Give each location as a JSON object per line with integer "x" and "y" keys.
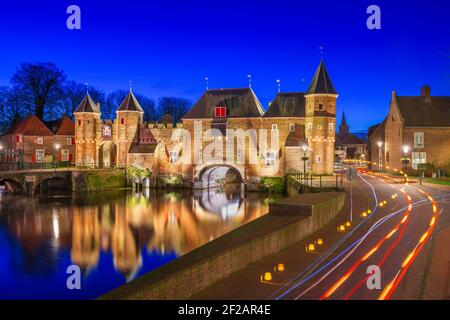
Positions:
{"x": 87, "y": 87}
{"x": 321, "y": 53}
{"x": 249, "y": 81}
{"x": 278, "y": 85}
{"x": 206, "y": 81}
{"x": 131, "y": 85}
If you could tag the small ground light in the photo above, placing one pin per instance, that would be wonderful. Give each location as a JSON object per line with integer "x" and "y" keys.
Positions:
{"x": 381, "y": 204}
{"x": 384, "y": 202}
{"x": 268, "y": 276}
{"x": 280, "y": 267}
{"x": 311, "y": 247}
{"x": 348, "y": 224}
{"x": 364, "y": 214}
{"x": 369, "y": 211}
{"x": 341, "y": 228}
{"x": 319, "y": 242}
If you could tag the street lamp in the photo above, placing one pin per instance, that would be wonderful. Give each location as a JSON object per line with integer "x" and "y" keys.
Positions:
{"x": 57, "y": 146}
{"x": 380, "y": 144}
{"x": 405, "y": 159}
{"x": 304, "y": 158}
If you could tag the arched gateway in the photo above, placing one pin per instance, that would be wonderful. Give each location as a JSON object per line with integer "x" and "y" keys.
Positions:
{"x": 212, "y": 175}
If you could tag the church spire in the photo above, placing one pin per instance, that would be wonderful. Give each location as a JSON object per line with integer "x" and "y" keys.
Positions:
{"x": 343, "y": 128}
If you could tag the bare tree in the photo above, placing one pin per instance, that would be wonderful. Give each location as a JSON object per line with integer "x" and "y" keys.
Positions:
{"x": 74, "y": 92}
{"x": 38, "y": 87}
{"x": 176, "y": 107}
{"x": 10, "y": 109}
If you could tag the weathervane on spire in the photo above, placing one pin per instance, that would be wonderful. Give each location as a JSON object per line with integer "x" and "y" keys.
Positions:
{"x": 87, "y": 87}
{"x": 131, "y": 85}
{"x": 249, "y": 81}
{"x": 321, "y": 53}
{"x": 207, "y": 84}
{"x": 278, "y": 85}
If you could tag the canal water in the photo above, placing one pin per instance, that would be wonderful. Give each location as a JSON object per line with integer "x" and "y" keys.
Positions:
{"x": 114, "y": 237}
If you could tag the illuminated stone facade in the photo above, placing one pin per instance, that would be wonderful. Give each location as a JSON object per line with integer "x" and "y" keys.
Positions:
{"x": 299, "y": 119}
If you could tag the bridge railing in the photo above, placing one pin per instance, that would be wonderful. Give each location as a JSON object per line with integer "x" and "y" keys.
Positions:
{"x": 12, "y": 167}
{"x": 308, "y": 182}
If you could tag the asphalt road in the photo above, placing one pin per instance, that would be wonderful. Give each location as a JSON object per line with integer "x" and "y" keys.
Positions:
{"x": 393, "y": 240}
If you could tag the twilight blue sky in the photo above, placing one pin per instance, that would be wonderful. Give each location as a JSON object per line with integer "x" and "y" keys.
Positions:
{"x": 168, "y": 47}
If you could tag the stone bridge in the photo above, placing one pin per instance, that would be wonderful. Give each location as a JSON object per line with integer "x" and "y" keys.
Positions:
{"x": 32, "y": 181}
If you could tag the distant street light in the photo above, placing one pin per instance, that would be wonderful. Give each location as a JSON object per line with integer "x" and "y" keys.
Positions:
{"x": 380, "y": 144}
{"x": 55, "y": 155}
{"x": 405, "y": 160}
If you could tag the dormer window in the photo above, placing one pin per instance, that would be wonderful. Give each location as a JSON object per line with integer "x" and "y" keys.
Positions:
{"x": 221, "y": 112}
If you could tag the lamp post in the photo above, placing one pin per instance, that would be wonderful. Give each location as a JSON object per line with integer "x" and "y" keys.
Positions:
{"x": 55, "y": 156}
{"x": 380, "y": 167}
{"x": 405, "y": 160}
{"x": 304, "y": 158}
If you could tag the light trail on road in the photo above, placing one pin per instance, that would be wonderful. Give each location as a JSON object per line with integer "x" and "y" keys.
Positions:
{"x": 393, "y": 284}
{"x": 291, "y": 285}
{"x": 347, "y": 274}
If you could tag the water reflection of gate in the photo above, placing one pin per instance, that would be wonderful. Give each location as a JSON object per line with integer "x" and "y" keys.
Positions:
{"x": 130, "y": 227}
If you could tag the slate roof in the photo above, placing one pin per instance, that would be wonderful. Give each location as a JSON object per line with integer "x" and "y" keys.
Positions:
{"x": 348, "y": 139}
{"x": 321, "y": 82}
{"x": 63, "y": 126}
{"x": 424, "y": 111}
{"x": 296, "y": 138}
{"x": 287, "y": 105}
{"x": 130, "y": 103}
{"x": 143, "y": 148}
{"x": 240, "y": 103}
{"x": 87, "y": 105}
{"x": 30, "y": 126}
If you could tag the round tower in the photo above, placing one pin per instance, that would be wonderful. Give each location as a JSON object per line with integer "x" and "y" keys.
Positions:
{"x": 320, "y": 111}
{"x": 128, "y": 121}
{"x": 88, "y": 126}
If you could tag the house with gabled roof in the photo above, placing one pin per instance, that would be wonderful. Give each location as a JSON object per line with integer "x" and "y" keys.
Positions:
{"x": 29, "y": 141}
{"x": 422, "y": 124}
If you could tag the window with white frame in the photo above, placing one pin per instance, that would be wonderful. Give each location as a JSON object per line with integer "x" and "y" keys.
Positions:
{"x": 69, "y": 141}
{"x": 65, "y": 155}
{"x": 39, "y": 140}
{"x": 291, "y": 127}
{"x": 40, "y": 155}
{"x": 418, "y": 158}
{"x": 330, "y": 126}
{"x": 310, "y": 125}
{"x": 173, "y": 156}
{"x": 418, "y": 140}
{"x": 270, "y": 158}
{"x": 274, "y": 127}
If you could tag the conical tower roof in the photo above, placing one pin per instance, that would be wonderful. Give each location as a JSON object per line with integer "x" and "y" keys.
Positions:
{"x": 87, "y": 105}
{"x": 321, "y": 82}
{"x": 130, "y": 103}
